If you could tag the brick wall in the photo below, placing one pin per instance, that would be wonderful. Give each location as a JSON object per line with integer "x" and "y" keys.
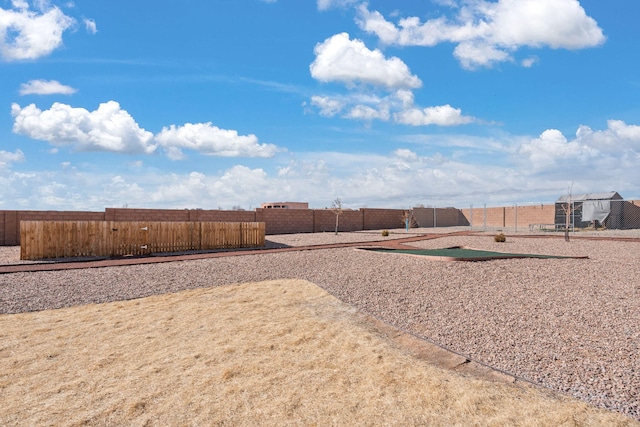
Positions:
{"x": 377, "y": 219}
{"x": 444, "y": 217}
{"x": 536, "y": 214}
{"x": 282, "y": 221}
{"x": 10, "y": 226}
{"x": 125, "y": 214}
{"x": 10, "y": 220}
{"x": 510, "y": 216}
{"x": 325, "y": 220}
{"x": 221, "y": 216}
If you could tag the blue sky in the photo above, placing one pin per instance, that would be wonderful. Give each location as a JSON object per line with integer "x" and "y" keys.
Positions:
{"x": 221, "y": 104}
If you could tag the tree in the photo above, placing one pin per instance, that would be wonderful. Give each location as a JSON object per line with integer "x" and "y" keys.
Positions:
{"x": 568, "y": 208}
{"x": 336, "y": 207}
{"x": 408, "y": 220}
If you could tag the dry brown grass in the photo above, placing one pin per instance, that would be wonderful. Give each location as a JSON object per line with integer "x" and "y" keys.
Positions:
{"x": 270, "y": 353}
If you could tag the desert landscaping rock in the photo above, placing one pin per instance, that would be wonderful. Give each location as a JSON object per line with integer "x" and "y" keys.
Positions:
{"x": 572, "y": 325}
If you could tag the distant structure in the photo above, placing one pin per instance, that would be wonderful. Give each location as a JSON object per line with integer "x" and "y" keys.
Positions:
{"x": 592, "y": 209}
{"x": 285, "y": 205}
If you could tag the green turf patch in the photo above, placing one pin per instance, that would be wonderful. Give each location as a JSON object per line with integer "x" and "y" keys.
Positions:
{"x": 466, "y": 254}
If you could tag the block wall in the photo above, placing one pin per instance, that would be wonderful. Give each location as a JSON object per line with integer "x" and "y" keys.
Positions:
{"x": 10, "y": 226}
{"x": 126, "y": 214}
{"x": 510, "y": 216}
{"x": 277, "y": 221}
{"x": 325, "y": 220}
{"x": 444, "y": 217}
{"x": 221, "y": 216}
{"x": 283, "y": 221}
{"x": 536, "y": 214}
{"x": 377, "y": 219}
{"x": 10, "y": 220}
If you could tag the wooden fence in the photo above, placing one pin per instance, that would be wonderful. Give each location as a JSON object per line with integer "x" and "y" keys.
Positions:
{"x": 65, "y": 239}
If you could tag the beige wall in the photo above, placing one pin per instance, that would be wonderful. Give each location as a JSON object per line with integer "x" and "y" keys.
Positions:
{"x": 441, "y": 217}
{"x": 285, "y": 205}
{"x": 510, "y": 216}
{"x": 282, "y": 221}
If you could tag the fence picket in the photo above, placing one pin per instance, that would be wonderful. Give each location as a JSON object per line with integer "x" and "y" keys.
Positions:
{"x": 56, "y": 239}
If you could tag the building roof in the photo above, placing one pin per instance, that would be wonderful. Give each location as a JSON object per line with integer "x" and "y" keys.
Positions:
{"x": 610, "y": 195}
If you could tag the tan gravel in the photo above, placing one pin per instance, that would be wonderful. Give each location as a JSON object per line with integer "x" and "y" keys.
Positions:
{"x": 572, "y": 325}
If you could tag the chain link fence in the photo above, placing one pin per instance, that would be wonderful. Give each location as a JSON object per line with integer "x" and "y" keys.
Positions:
{"x": 597, "y": 216}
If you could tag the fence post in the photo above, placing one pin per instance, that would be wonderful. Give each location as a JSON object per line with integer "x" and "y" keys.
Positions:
{"x": 484, "y": 228}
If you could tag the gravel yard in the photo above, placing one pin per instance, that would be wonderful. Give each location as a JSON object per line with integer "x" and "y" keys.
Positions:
{"x": 572, "y": 325}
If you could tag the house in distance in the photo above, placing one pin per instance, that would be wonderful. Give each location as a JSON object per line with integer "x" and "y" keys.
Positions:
{"x": 285, "y": 205}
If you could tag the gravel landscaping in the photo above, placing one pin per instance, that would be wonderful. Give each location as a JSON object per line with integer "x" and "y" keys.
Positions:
{"x": 572, "y": 325}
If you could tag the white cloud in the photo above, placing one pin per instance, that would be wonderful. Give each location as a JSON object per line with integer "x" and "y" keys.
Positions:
{"x": 398, "y": 180}
{"x": 27, "y": 34}
{"x": 242, "y": 179}
{"x": 331, "y": 4}
{"x": 536, "y": 23}
{"x": 608, "y": 151}
{"x": 405, "y": 97}
{"x": 7, "y": 157}
{"x": 45, "y": 87}
{"x": 90, "y": 25}
{"x": 552, "y": 149}
{"x": 487, "y": 32}
{"x": 328, "y": 106}
{"x": 375, "y": 23}
{"x": 340, "y": 59}
{"x": 522, "y": 169}
{"x": 474, "y": 53}
{"x": 367, "y": 113}
{"x": 119, "y": 191}
{"x": 109, "y": 128}
{"x": 20, "y": 4}
{"x": 443, "y": 115}
{"x": 618, "y": 137}
{"x": 211, "y": 140}
{"x": 448, "y": 3}
{"x": 529, "y": 62}
{"x": 181, "y": 188}
{"x": 236, "y": 186}
{"x": 357, "y": 106}
{"x": 405, "y": 154}
{"x": 398, "y": 105}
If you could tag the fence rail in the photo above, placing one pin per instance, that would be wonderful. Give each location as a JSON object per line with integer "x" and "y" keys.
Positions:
{"x": 65, "y": 239}
{"x": 616, "y": 215}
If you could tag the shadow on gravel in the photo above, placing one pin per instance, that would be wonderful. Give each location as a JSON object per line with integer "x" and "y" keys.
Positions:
{"x": 268, "y": 245}
{"x": 274, "y": 245}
